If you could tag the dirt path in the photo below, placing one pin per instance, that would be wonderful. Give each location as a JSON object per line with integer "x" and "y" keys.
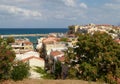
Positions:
{"x": 38, "y": 81}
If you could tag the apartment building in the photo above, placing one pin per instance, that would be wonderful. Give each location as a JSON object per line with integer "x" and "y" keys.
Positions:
{"x": 22, "y": 45}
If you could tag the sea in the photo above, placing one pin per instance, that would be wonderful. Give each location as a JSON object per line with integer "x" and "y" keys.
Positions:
{"x": 8, "y": 31}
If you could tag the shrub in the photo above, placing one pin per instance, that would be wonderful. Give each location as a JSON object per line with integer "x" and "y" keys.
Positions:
{"x": 44, "y": 74}
{"x": 97, "y": 57}
{"x": 64, "y": 39}
{"x": 10, "y": 40}
{"x": 7, "y": 57}
{"x": 73, "y": 73}
{"x": 20, "y": 71}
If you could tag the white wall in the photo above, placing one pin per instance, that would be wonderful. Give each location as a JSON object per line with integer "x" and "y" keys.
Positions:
{"x": 35, "y": 62}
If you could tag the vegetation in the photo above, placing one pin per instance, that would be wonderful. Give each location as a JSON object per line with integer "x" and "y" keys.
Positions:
{"x": 7, "y": 56}
{"x": 10, "y": 40}
{"x": 71, "y": 29}
{"x": 20, "y": 71}
{"x": 44, "y": 74}
{"x": 6, "y": 59}
{"x": 64, "y": 39}
{"x": 96, "y": 57}
{"x": 58, "y": 70}
{"x": 111, "y": 31}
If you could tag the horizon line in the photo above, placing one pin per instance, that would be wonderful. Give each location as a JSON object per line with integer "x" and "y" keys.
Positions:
{"x": 33, "y": 27}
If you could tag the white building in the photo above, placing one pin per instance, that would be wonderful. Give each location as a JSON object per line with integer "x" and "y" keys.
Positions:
{"x": 39, "y": 45}
{"x": 33, "y": 63}
{"x": 26, "y": 55}
{"x": 54, "y": 55}
{"x": 33, "y": 59}
{"x": 22, "y": 45}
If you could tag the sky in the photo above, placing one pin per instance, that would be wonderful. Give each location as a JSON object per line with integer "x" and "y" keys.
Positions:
{"x": 57, "y": 13}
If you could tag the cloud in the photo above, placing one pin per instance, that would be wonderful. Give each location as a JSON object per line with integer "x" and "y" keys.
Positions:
{"x": 112, "y": 6}
{"x": 57, "y": 13}
{"x": 116, "y": 0}
{"x": 83, "y": 5}
{"x": 70, "y": 3}
{"x": 59, "y": 16}
{"x": 19, "y": 11}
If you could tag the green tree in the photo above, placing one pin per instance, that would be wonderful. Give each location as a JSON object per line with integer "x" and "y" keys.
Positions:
{"x": 20, "y": 71}
{"x": 6, "y": 59}
{"x": 98, "y": 56}
{"x": 10, "y": 40}
{"x": 64, "y": 39}
{"x": 111, "y": 31}
{"x": 71, "y": 29}
{"x": 58, "y": 70}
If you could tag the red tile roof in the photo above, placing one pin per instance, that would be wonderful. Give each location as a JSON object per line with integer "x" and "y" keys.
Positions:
{"x": 103, "y": 25}
{"x": 71, "y": 35}
{"x": 50, "y": 40}
{"x": 117, "y": 40}
{"x": 56, "y": 53}
{"x": 23, "y": 41}
{"x": 28, "y": 43}
{"x": 32, "y": 58}
{"x": 61, "y": 59}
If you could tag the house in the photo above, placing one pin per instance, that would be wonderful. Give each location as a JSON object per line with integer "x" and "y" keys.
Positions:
{"x": 22, "y": 45}
{"x": 33, "y": 60}
{"x": 61, "y": 59}
{"x": 54, "y": 58}
{"x": 39, "y": 41}
{"x": 33, "y": 63}
{"x": 50, "y": 39}
{"x": 52, "y": 43}
{"x": 26, "y": 55}
{"x": 49, "y": 44}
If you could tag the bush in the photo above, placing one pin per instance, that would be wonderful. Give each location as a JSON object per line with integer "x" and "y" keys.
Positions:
{"x": 7, "y": 57}
{"x": 64, "y": 39}
{"x": 20, "y": 71}
{"x": 44, "y": 74}
{"x": 10, "y": 40}
{"x": 58, "y": 70}
{"x": 73, "y": 73}
{"x": 97, "y": 57}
